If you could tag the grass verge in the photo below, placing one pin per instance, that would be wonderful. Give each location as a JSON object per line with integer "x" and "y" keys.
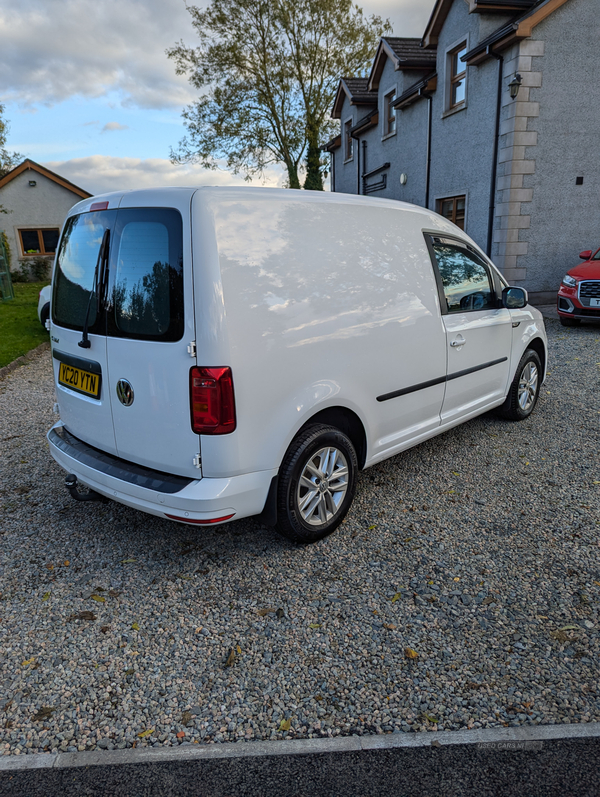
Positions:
{"x": 20, "y": 328}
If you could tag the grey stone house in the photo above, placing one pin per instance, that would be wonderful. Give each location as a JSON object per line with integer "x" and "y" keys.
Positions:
{"x": 37, "y": 201}
{"x": 435, "y": 124}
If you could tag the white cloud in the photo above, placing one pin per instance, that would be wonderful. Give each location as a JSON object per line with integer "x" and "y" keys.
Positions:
{"x": 110, "y": 126}
{"x": 408, "y": 17}
{"x": 99, "y": 174}
{"x": 56, "y": 49}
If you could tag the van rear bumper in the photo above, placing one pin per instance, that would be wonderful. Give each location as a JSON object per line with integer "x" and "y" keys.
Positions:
{"x": 197, "y": 501}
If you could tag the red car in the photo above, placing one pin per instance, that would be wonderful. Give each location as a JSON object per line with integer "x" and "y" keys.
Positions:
{"x": 579, "y": 293}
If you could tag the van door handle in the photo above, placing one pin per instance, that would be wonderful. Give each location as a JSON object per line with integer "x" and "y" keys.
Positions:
{"x": 458, "y": 342}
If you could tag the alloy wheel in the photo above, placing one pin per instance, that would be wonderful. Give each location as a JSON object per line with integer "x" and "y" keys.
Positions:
{"x": 528, "y": 383}
{"x": 322, "y": 486}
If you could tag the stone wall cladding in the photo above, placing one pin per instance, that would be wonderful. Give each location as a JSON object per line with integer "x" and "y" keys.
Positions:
{"x": 516, "y": 158}
{"x": 565, "y": 217}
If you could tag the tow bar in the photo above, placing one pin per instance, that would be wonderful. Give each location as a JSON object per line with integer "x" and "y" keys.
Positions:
{"x": 91, "y": 495}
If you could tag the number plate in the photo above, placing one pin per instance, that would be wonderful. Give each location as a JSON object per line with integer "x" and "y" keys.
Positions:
{"x": 81, "y": 381}
{"x": 594, "y": 302}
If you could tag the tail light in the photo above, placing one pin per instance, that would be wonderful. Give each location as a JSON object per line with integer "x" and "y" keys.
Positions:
{"x": 212, "y": 402}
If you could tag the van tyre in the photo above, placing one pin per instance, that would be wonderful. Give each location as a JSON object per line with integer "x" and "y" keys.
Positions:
{"x": 317, "y": 482}
{"x": 45, "y": 314}
{"x": 525, "y": 388}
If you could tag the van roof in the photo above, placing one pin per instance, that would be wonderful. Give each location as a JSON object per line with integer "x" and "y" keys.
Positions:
{"x": 164, "y": 196}
{"x": 114, "y": 198}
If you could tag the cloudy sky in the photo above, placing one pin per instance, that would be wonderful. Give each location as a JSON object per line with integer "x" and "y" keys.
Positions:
{"x": 89, "y": 92}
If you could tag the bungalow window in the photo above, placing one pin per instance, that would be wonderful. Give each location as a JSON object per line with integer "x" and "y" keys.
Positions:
{"x": 390, "y": 114}
{"x": 39, "y": 242}
{"x": 453, "y": 209}
{"x": 458, "y": 76}
{"x": 347, "y": 141}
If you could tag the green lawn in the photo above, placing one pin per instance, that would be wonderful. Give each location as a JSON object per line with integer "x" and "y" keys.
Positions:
{"x": 20, "y": 328}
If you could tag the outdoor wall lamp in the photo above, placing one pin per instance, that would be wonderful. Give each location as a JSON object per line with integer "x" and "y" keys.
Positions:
{"x": 514, "y": 86}
{"x": 32, "y": 183}
{"x": 403, "y": 178}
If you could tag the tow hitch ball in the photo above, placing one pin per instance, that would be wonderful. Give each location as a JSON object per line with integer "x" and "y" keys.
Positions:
{"x": 91, "y": 495}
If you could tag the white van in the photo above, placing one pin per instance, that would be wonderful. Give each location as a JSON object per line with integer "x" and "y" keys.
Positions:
{"x": 225, "y": 352}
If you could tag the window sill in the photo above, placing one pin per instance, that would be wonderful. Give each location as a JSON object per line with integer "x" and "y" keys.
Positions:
{"x": 348, "y": 160}
{"x": 388, "y": 135}
{"x": 452, "y": 111}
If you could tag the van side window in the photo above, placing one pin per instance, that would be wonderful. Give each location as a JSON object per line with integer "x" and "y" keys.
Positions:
{"x": 466, "y": 281}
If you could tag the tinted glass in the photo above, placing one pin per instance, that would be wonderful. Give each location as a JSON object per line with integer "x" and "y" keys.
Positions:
{"x": 75, "y": 267}
{"x": 50, "y": 238}
{"x": 465, "y": 279}
{"x": 31, "y": 242}
{"x": 147, "y": 275}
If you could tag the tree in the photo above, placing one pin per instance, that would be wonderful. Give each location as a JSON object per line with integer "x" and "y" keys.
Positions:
{"x": 267, "y": 71}
{"x": 8, "y": 160}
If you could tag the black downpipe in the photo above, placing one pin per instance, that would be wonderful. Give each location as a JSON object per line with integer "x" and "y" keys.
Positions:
{"x": 490, "y": 233}
{"x": 357, "y": 139}
{"x": 364, "y": 168}
{"x": 332, "y": 170}
{"x": 428, "y": 163}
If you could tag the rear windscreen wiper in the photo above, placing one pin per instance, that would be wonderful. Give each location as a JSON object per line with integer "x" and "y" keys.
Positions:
{"x": 99, "y": 276}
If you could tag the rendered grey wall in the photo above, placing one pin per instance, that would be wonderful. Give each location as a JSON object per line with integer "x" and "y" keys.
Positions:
{"x": 463, "y": 142}
{"x": 345, "y": 173}
{"x": 412, "y": 152}
{"x": 44, "y": 205}
{"x": 392, "y": 149}
{"x": 565, "y": 218}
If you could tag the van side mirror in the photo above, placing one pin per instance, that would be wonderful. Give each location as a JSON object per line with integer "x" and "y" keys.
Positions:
{"x": 514, "y": 298}
{"x": 586, "y": 255}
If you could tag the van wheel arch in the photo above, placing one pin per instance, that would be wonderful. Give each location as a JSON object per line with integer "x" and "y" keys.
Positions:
{"x": 538, "y": 347}
{"x": 347, "y": 422}
{"x": 341, "y": 418}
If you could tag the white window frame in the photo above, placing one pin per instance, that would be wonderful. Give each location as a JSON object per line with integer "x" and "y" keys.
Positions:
{"x": 448, "y": 54}
{"x": 385, "y": 133}
{"x": 347, "y": 159}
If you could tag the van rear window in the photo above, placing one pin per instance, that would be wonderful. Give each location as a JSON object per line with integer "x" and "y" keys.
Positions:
{"x": 75, "y": 269}
{"x": 146, "y": 268}
{"x": 143, "y": 288}
{"x": 142, "y": 279}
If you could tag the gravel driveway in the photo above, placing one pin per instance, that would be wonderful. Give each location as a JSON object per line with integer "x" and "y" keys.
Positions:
{"x": 462, "y": 591}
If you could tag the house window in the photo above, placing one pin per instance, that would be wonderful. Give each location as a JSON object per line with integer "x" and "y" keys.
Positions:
{"x": 347, "y": 141}
{"x": 39, "y": 242}
{"x": 390, "y": 114}
{"x": 453, "y": 209}
{"x": 458, "y": 76}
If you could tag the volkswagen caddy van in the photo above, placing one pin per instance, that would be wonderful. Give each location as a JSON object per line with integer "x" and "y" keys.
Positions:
{"x": 221, "y": 353}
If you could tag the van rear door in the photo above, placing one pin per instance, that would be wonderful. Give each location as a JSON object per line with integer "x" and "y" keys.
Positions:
{"x": 80, "y": 371}
{"x": 150, "y": 325}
